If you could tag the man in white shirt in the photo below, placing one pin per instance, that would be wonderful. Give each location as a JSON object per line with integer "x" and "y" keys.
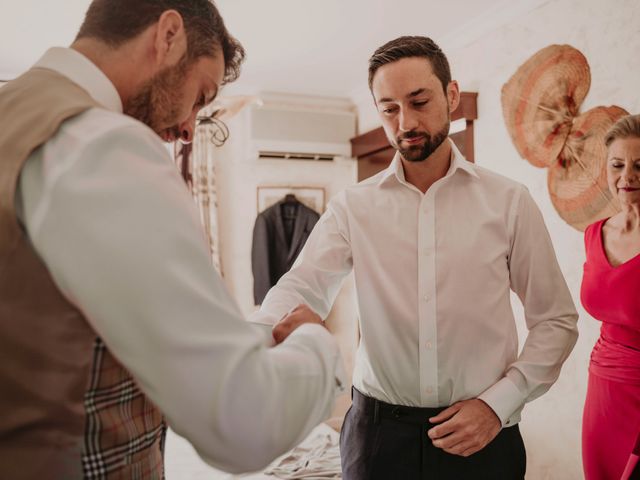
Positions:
{"x": 109, "y": 305}
{"x": 436, "y": 244}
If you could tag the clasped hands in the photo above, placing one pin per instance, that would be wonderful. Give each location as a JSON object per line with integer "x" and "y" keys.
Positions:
{"x": 293, "y": 319}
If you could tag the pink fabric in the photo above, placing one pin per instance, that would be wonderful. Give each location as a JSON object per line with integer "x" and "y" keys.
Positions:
{"x": 611, "y": 419}
{"x": 633, "y": 466}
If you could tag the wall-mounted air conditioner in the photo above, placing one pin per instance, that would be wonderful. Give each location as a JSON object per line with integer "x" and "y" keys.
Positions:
{"x": 284, "y": 132}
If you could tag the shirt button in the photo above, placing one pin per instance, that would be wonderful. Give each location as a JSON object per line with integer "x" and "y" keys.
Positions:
{"x": 428, "y": 345}
{"x": 426, "y": 297}
{"x": 429, "y": 390}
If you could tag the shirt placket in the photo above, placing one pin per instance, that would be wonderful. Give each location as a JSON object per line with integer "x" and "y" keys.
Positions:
{"x": 428, "y": 351}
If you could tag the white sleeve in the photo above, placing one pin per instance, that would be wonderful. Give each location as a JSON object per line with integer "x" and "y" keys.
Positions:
{"x": 317, "y": 273}
{"x": 549, "y": 312}
{"x": 121, "y": 236}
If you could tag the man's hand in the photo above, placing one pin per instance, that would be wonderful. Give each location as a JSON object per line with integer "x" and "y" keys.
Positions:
{"x": 465, "y": 427}
{"x": 298, "y": 316}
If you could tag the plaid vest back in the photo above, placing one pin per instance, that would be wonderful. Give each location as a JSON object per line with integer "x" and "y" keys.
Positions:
{"x": 69, "y": 409}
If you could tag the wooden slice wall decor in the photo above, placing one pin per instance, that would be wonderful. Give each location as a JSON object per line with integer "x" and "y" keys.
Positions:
{"x": 540, "y": 100}
{"x": 577, "y": 181}
{"x": 541, "y": 104}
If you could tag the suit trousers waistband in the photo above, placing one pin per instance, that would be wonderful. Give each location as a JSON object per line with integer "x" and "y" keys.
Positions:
{"x": 400, "y": 413}
{"x": 381, "y": 441}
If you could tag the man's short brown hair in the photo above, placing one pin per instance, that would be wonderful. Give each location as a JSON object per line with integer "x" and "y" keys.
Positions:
{"x": 416, "y": 46}
{"x": 117, "y": 21}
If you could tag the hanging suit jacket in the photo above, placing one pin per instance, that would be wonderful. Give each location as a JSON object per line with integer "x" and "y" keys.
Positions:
{"x": 273, "y": 253}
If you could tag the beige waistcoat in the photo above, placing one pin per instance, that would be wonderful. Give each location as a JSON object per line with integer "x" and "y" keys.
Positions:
{"x": 61, "y": 391}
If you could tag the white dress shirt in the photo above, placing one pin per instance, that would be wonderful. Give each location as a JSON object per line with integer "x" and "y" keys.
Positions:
{"x": 110, "y": 216}
{"x": 433, "y": 276}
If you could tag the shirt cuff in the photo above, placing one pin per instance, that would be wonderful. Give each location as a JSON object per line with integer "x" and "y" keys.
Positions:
{"x": 320, "y": 333}
{"x": 505, "y": 400}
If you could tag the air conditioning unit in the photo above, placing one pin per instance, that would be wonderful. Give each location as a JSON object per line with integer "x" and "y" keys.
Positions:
{"x": 286, "y": 132}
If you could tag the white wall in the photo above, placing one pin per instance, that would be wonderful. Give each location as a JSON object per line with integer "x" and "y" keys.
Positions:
{"x": 608, "y": 34}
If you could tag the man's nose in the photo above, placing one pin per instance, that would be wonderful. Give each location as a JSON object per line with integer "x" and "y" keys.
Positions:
{"x": 408, "y": 121}
{"x": 187, "y": 129}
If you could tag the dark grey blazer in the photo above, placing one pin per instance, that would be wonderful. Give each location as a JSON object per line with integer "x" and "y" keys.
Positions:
{"x": 272, "y": 255}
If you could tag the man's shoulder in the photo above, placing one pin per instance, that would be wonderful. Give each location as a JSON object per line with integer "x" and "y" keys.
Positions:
{"x": 356, "y": 194}
{"x": 496, "y": 182}
{"x": 367, "y": 185}
{"x": 100, "y": 124}
{"x": 374, "y": 180}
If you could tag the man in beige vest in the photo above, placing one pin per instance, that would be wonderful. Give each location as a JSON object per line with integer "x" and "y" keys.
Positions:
{"x": 112, "y": 317}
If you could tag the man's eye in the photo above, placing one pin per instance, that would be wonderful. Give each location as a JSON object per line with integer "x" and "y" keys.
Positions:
{"x": 420, "y": 104}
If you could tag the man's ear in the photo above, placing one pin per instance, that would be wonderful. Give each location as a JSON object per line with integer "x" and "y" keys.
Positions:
{"x": 170, "y": 39}
{"x": 453, "y": 95}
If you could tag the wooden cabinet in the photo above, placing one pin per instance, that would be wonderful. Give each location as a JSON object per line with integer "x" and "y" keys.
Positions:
{"x": 374, "y": 153}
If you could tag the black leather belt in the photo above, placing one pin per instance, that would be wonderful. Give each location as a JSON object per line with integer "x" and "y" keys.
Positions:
{"x": 400, "y": 413}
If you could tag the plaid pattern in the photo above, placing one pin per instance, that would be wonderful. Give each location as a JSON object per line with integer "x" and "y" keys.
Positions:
{"x": 124, "y": 432}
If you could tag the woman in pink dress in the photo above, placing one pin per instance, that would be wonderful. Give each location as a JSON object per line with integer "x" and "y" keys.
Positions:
{"x": 611, "y": 293}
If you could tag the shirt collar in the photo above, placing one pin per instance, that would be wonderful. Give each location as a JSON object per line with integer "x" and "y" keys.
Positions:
{"x": 80, "y": 70}
{"x": 458, "y": 162}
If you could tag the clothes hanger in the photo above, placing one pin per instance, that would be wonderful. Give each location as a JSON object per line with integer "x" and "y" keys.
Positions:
{"x": 290, "y": 198}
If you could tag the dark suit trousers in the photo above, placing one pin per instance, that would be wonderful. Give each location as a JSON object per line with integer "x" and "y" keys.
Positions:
{"x": 388, "y": 442}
